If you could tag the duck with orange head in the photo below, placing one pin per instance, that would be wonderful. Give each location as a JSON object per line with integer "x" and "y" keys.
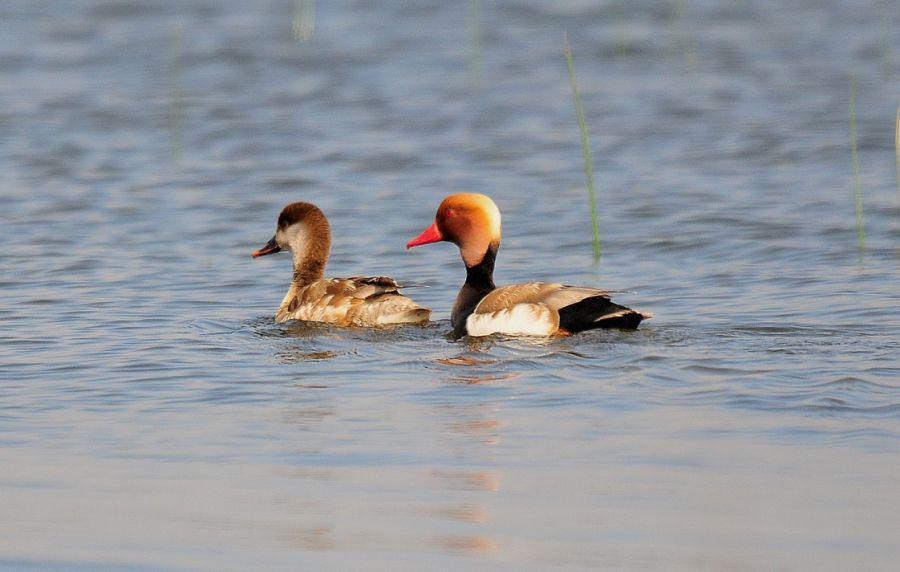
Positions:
{"x": 471, "y": 221}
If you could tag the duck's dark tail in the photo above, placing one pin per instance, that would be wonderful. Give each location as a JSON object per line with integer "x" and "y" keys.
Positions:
{"x": 599, "y": 312}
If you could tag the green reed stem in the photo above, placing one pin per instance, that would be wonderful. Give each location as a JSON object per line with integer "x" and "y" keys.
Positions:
{"x": 676, "y": 28}
{"x": 585, "y": 144}
{"x": 176, "y": 140}
{"x": 886, "y": 52}
{"x": 473, "y": 40}
{"x": 619, "y": 18}
{"x": 303, "y": 20}
{"x": 857, "y": 187}
{"x": 897, "y": 148}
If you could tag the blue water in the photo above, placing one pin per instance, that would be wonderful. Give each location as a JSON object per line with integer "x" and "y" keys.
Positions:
{"x": 153, "y": 417}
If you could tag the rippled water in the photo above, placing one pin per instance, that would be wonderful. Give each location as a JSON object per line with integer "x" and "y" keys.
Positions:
{"x": 153, "y": 417}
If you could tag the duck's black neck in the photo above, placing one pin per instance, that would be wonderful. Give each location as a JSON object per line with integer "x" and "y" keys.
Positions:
{"x": 479, "y": 283}
{"x": 481, "y": 275}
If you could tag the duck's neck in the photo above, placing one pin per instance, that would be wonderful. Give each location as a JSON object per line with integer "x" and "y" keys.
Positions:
{"x": 479, "y": 283}
{"x": 310, "y": 244}
{"x": 308, "y": 268}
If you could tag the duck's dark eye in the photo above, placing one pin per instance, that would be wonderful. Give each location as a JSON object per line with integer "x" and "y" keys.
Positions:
{"x": 450, "y": 213}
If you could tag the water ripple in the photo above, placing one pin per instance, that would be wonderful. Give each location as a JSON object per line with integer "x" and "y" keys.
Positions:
{"x": 148, "y": 146}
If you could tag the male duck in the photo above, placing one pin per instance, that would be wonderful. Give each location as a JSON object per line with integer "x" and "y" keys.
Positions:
{"x": 472, "y": 222}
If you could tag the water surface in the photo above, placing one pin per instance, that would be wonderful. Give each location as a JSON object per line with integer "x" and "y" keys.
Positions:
{"x": 153, "y": 417}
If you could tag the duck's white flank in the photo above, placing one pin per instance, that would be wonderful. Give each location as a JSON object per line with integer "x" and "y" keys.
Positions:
{"x": 517, "y": 320}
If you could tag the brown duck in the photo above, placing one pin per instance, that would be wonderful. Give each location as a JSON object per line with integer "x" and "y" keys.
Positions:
{"x": 359, "y": 301}
{"x": 472, "y": 222}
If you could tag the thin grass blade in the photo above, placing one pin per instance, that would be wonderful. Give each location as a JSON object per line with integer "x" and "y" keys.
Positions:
{"x": 854, "y": 154}
{"x": 585, "y": 144}
{"x": 897, "y": 150}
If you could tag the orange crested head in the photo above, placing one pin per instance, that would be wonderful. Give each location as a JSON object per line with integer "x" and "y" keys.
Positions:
{"x": 469, "y": 220}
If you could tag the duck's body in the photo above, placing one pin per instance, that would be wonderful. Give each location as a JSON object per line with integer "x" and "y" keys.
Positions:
{"x": 545, "y": 309}
{"x": 472, "y": 222}
{"x": 359, "y": 301}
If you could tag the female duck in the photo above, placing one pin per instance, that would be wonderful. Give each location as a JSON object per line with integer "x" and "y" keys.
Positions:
{"x": 472, "y": 222}
{"x": 359, "y": 301}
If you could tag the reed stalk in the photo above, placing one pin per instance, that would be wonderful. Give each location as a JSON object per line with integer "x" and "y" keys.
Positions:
{"x": 176, "y": 140}
{"x": 619, "y": 18}
{"x": 886, "y": 52}
{"x": 585, "y": 144}
{"x": 854, "y": 154}
{"x": 303, "y": 20}
{"x": 897, "y": 149}
{"x": 473, "y": 41}
{"x": 675, "y": 23}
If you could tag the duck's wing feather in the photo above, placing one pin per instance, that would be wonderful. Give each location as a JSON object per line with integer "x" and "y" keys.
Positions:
{"x": 364, "y": 287}
{"x": 551, "y": 294}
{"x": 356, "y": 301}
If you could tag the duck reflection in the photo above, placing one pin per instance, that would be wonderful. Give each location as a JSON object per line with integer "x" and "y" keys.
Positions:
{"x": 482, "y": 430}
{"x": 309, "y": 417}
{"x": 306, "y": 341}
{"x": 481, "y": 379}
{"x": 468, "y": 545}
{"x": 472, "y": 358}
{"x": 299, "y": 355}
{"x": 312, "y": 538}
{"x": 457, "y": 507}
{"x": 472, "y": 432}
{"x": 469, "y": 513}
{"x": 484, "y": 481}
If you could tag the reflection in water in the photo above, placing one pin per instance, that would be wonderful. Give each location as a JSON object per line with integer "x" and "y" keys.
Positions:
{"x": 312, "y": 515}
{"x": 297, "y": 355}
{"x": 313, "y": 474}
{"x": 468, "y": 512}
{"x": 469, "y": 545}
{"x": 479, "y": 345}
{"x": 307, "y": 417}
{"x": 482, "y": 431}
{"x": 468, "y": 480}
{"x": 462, "y": 513}
{"x": 475, "y": 433}
{"x": 306, "y": 340}
{"x": 299, "y": 329}
{"x": 460, "y": 500}
{"x": 476, "y": 379}
{"x": 312, "y": 538}
{"x": 470, "y": 425}
{"x": 466, "y": 360}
